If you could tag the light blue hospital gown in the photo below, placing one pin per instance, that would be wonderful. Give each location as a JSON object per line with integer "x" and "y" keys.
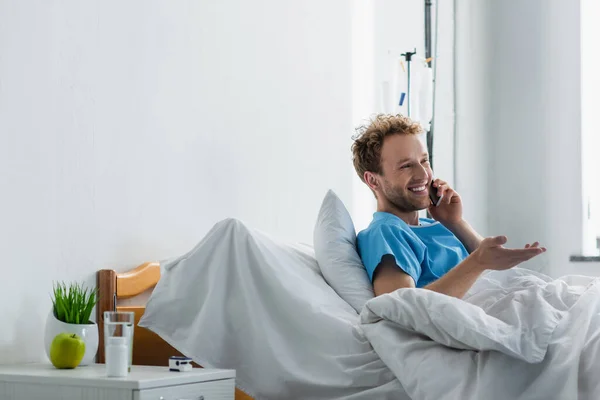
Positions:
{"x": 424, "y": 252}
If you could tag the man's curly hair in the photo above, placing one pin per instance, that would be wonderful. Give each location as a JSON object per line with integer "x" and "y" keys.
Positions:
{"x": 366, "y": 149}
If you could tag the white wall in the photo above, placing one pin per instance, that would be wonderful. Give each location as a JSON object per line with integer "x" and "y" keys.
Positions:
{"x": 472, "y": 90}
{"x": 364, "y": 98}
{"x": 127, "y": 130}
{"x": 520, "y": 129}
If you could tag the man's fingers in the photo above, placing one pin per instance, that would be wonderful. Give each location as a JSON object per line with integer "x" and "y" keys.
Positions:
{"x": 445, "y": 192}
{"x": 449, "y": 195}
{"x": 537, "y": 245}
{"x": 438, "y": 182}
{"x": 524, "y": 254}
{"x": 495, "y": 241}
{"x": 442, "y": 190}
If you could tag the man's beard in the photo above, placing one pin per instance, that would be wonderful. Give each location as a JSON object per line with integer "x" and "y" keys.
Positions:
{"x": 402, "y": 200}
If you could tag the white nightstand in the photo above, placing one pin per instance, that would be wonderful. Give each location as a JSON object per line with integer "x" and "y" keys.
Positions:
{"x": 43, "y": 381}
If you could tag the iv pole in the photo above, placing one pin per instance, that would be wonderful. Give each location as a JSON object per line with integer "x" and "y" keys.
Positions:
{"x": 429, "y": 57}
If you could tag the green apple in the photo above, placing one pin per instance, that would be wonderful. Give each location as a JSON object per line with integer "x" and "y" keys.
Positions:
{"x": 66, "y": 350}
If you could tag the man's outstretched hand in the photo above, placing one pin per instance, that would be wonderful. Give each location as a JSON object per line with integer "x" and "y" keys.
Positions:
{"x": 491, "y": 254}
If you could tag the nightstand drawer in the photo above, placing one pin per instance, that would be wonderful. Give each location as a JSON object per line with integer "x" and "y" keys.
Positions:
{"x": 223, "y": 389}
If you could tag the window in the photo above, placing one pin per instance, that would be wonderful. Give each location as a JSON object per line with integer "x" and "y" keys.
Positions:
{"x": 590, "y": 104}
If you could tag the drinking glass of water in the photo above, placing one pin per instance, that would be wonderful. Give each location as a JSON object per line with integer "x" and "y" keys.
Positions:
{"x": 118, "y": 342}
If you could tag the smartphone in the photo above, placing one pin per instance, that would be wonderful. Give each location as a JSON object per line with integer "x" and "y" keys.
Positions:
{"x": 435, "y": 199}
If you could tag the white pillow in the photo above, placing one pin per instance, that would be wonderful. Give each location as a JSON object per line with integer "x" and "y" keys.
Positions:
{"x": 335, "y": 251}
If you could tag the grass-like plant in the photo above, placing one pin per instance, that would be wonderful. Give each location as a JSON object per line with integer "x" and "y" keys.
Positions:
{"x": 73, "y": 304}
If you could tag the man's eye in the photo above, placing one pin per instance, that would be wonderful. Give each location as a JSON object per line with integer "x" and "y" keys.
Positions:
{"x": 405, "y": 166}
{"x": 426, "y": 161}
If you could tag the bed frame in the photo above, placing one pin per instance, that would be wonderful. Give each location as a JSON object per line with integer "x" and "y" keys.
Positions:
{"x": 148, "y": 348}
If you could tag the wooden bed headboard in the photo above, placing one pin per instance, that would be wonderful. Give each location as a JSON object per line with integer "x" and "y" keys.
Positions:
{"x": 148, "y": 347}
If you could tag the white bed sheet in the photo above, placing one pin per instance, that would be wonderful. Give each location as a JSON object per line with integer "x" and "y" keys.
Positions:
{"x": 241, "y": 299}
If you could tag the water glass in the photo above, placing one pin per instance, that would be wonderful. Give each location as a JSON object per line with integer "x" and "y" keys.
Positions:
{"x": 118, "y": 328}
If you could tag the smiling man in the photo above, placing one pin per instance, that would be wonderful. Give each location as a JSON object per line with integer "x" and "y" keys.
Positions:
{"x": 401, "y": 250}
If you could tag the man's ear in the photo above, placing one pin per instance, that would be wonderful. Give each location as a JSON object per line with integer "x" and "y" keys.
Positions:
{"x": 371, "y": 180}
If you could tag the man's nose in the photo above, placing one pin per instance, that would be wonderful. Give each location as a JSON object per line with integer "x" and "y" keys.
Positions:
{"x": 422, "y": 173}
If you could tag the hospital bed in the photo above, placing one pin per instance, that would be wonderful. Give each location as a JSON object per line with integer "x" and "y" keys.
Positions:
{"x": 243, "y": 300}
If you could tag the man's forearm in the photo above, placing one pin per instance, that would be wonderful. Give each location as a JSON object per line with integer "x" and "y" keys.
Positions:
{"x": 466, "y": 234}
{"x": 459, "y": 279}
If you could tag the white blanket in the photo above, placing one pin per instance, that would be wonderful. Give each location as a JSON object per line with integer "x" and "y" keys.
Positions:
{"x": 516, "y": 335}
{"x": 242, "y": 300}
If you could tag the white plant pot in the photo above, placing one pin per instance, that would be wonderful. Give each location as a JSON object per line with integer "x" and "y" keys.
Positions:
{"x": 88, "y": 332}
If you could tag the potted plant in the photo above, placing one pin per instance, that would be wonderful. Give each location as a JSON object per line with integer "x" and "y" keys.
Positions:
{"x": 72, "y": 307}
